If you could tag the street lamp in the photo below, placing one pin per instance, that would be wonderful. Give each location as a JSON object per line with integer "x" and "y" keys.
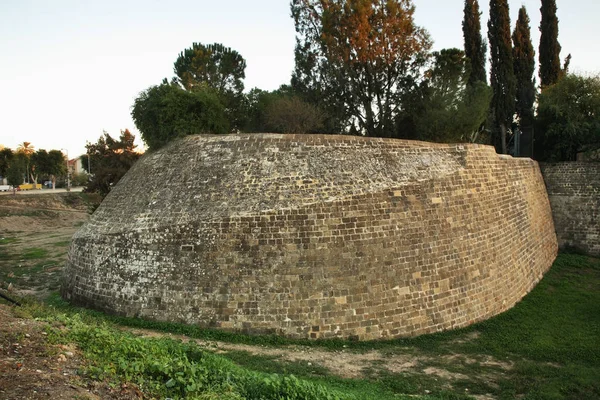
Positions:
{"x": 68, "y": 171}
{"x": 88, "y": 154}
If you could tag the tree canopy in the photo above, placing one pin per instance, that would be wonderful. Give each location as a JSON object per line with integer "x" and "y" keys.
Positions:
{"x": 111, "y": 159}
{"x": 165, "y": 112}
{"x": 550, "y": 48}
{"x": 49, "y": 164}
{"x": 6, "y": 156}
{"x": 524, "y": 66}
{"x": 445, "y": 107}
{"x": 475, "y": 46}
{"x": 569, "y": 118}
{"x": 289, "y": 114}
{"x": 357, "y": 56}
{"x": 215, "y": 65}
{"x": 503, "y": 79}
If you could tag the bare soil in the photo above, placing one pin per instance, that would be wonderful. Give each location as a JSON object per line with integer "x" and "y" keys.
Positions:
{"x": 33, "y": 368}
{"x": 35, "y": 232}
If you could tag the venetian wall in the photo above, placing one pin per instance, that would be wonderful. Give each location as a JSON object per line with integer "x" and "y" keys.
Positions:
{"x": 574, "y": 193}
{"x": 316, "y": 236}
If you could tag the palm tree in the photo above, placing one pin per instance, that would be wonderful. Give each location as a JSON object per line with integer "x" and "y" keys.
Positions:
{"x": 26, "y": 149}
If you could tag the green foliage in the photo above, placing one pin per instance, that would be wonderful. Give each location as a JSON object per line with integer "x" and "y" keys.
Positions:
{"x": 165, "y": 112}
{"x": 80, "y": 179}
{"x": 50, "y": 164}
{"x": 524, "y": 67}
{"x": 257, "y": 103}
{"x": 215, "y": 65}
{"x": 169, "y": 368}
{"x": 34, "y": 254}
{"x": 14, "y": 174}
{"x": 475, "y": 46}
{"x": 292, "y": 115}
{"x": 568, "y": 118}
{"x": 503, "y": 81}
{"x": 549, "y": 57}
{"x": 354, "y": 59}
{"x": 6, "y": 156}
{"x": 219, "y": 68}
{"x": 111, "y": 159}
{"x": 445, "y": 107}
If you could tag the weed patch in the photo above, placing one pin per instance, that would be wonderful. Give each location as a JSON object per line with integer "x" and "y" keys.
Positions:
{"x": 33, "y": 254}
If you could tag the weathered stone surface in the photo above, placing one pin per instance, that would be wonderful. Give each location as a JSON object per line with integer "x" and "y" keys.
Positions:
{"x": 316, "y": 236}
{"x": 574, "y": 192}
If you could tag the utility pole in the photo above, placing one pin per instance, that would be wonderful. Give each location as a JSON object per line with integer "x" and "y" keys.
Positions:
{"x": 88, "y": 154}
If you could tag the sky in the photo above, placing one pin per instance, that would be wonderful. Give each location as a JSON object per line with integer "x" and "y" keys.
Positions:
{"x": 71, "y": 69}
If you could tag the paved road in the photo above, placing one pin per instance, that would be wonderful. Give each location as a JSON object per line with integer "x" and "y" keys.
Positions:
{"x": 43, "y": 191}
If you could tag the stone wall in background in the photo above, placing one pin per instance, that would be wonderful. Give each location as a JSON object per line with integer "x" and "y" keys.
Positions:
{"x": 574, "y": 192}
{"x": 316, "y": 236}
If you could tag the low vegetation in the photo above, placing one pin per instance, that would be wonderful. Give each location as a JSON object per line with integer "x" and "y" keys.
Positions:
{"x": 546, "y": 347}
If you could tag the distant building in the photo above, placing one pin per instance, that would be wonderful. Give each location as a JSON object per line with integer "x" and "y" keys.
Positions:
{"x": 75, "y": 166}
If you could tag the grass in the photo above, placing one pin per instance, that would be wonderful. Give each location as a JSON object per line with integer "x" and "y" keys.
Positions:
{"x": 43, "y": 214}
{"x": 546, "y": 347}
{"x": 34, "y": 254}
{"x": 8, "y": 240}
{"x": 31, "y": 268}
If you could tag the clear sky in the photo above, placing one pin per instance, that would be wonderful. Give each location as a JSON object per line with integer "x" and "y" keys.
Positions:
{"x": 70, "y": 69}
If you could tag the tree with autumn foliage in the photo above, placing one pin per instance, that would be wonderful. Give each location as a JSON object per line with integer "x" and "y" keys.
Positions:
{"x": 475, "y": 46}
{"x": 503, "y": 81}
{"x": 524, "y": 67}
{"x": 111, "y": 159}
{"x": 358, "y": 57}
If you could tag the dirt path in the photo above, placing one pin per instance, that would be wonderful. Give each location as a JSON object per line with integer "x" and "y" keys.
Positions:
{"x": 360, "y": 365}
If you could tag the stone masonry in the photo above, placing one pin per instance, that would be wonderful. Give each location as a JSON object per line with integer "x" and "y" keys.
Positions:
{"x": 316, "y": 236}
{"x": 574, "y": 192}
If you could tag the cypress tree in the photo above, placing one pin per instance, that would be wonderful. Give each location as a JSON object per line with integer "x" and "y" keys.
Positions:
{"x": 550, "y": 69}
{"x": 475, "y": 47}
{"x": 502, "y": 77}
{"x": 524, "y": 67}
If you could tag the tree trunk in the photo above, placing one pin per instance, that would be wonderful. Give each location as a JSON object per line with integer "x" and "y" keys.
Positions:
{"x": 503, "y": 137}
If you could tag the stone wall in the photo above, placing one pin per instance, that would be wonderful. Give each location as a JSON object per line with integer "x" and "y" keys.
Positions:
{"x": 574, "y": 192}
{"x": 316, "y": 236}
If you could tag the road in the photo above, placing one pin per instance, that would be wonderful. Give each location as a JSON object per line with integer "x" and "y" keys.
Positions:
{"x": 42, "y": 191}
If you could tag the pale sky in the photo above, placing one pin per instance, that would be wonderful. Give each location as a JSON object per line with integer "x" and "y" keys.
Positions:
{"x": 70, "y": 69}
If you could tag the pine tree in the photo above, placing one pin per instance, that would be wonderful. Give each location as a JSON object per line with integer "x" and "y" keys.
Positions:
{"x": 503, "y": 80}
{"x": 475, "y": 46}
{"x": 524, "y": 67}
{"x": 550, "y": 69}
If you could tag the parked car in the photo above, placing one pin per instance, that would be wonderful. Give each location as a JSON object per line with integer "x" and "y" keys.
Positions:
{"x": 5, "y": 188}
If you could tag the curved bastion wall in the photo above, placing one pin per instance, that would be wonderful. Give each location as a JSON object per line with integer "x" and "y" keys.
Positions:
{"x": 316, "y": 236}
